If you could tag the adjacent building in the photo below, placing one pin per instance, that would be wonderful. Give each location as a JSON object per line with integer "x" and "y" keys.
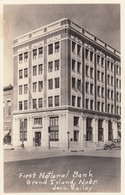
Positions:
{"x": 67, "y": 88}
{"x": 7, "y": 113}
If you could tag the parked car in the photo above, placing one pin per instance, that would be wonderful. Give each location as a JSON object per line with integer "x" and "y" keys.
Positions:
{"x": 115, "y": 143}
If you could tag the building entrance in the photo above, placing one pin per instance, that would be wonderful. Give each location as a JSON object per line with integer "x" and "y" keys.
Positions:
{"x": 38, "y": 138}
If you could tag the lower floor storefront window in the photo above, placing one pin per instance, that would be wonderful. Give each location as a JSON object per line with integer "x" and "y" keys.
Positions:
{"x": 76, "y": 135}
{"x": 54, "y": 135}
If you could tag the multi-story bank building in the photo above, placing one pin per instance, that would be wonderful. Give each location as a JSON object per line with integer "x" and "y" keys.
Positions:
{"x": 67, "y": 88}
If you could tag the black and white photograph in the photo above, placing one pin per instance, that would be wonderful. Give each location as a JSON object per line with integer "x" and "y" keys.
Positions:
{"x": 62, "y": 98}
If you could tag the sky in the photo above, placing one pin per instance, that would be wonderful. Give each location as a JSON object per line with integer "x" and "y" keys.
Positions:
{"x": 101, "y": 20}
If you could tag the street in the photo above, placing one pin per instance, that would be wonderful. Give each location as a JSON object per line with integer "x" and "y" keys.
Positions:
{"x": 68, "y": 173}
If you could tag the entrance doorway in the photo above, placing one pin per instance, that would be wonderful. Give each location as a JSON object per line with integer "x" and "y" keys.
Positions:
{"x": 38, "y": 138}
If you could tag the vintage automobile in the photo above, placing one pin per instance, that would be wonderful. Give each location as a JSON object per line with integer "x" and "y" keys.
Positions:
{"x": 114, "y": 144}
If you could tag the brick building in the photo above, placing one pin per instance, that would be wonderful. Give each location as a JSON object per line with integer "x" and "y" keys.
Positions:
{"x": 67, "y": 88}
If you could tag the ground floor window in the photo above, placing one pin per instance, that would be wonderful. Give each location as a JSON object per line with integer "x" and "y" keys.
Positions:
{"x": 76, "y": 136}
{"x": 110, "y": 131}
{"x": 23, "y": 130}
{"x": 100, "y": 130}
{"x": 54, "y": 135}
{"x": 89, "y": 135}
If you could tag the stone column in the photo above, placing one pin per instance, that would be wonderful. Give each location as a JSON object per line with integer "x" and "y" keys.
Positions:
{"x": 95, "y": 130}
{"x": 45, "y": 133}
{"x": 30, "y": 132}
{"x": 83, "y": 132}
{"x": 105, "y": 129}
{"x": 115, "y": 130}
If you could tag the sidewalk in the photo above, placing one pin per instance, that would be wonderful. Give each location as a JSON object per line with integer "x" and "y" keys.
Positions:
{"x": 19, "y": 153}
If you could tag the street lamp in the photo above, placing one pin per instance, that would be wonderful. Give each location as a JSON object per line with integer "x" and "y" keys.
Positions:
{"x": 68, "y": 139}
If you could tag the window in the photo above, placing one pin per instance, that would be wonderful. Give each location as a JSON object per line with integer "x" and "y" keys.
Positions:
{"x": 25, "y": 72}
{"x": 8, "y": 106}
{"x": 98, "y": 75}
{"x": 40, "y": 51}
{"x": 102, "y": 75}
{"x": 102, "y": 107}
{"x": 73, "y": 82}
{"x": 117, "y": 70}
{"x": 73, "y": 100}
{"x": 40, "y": 102}
{"x": 54, "y": 135}
{"x": 79, "y": 84}
{"x": 76, "y": 121}
{"x": 102, "y": 92}
{"x": 87, "y": 71}
{"x": 112, "y": 81}
{"x": 89, "y": 135}
{"x": 25, "y": 56}
{"x": 20, "y": 90}
{"x": 34, "y": 87}
{"x": 78, "y": 67}
{"x": 91, "y": 88}
{"x": 25, "y": 104}
{"x": 40, "y": 86}
{"x": 50, "y": 49}
{"x": 56, "y": 65}
{"x": 34, "y": 70}
{"x": 108, "y": 63}
{"x": 98, "y": 91}
{"x": 50, "y": 84}
{"x": 91, "y": 56}
{"x": 20, "y": 74}
{"x": 91, "y": 104}
{"x": 108, "y": 79}
{"x": 73, "y": 46}
{"x": 76, "y": 136}
{"x": 87, "y": 103}
{"x": 50, "y": 66}
{"x": 78, "y": 101}
{"x": 40, "y": 69}
{"x": 57, "y": 100}
{"x": 50, "y": 101}
{"x": 73, "y": 65}
{"x": 91, "y": 72}
{"x": 108, "y": 94}
{"x": 108, "y": 107}
{"x": 117, "y": 110}
{"x": 98, "y": 59}
{"x": 102, "y": 62}
{"x": 37, "y": 121}
{"x": 78, "y": 49}
{"x": 112, "y": 108}
{"x": 34, "y": 103}
{"x": 20, "y": 105}
{"x": 25, "y": 88}
{"x": 23, "y": 129}
{"x": 34, "y": 53}
{"x": 57, "y": 82}
{"x": 54, "y": 121}
{"x": 112, "y": 95}
{"x": 56, "y": 47}
{"x": 112, "y": 67}
{"x": 98, "y": 104}
{"x": 87, "y": 54}
{"x": 20, "y": 58}
{"x": 87, "y": 87}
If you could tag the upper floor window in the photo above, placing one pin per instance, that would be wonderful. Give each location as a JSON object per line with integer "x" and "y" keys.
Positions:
{"x": 87, "y": 71}
{"x": 25, "y": 56}
{"x": 40, "y": 85}
{"x": 108, "y": 65}
{"x": 40, "y": 102}
{"x": 54, "y": 121}
{"x": 98, "y": 91}
{"x": 98, "y": 106}
{"x": 38, "y": 121}
{"x": 78, "y": 49}
{"x": 25, "y": 72}
{"x": 87, "y": 87}
{"x": 20, "y": 58}
{"x": 34, "y": 53}
{"x": 79, "y": 84}
{"x": 91, "y": 104}
{"x": 73, "y": 65}
{"x": 56, "y": 47}
{"x": 34, "y": 103}
{"x": 50, "y": 84}
{"x": 25, "y": 88}
{"x": 50, "y": 66}
{"x": 87, "y": 54}
{"x": 98, "y": 59}
{"x": 91, "y": 56}
{"x": 34, "y": 70}
{"x": 73, "y": 46}
{"x": 91, "y": 72}
{"x": 20, "y": 74}
{"x": 25, "y": 104}
{"x": 73, "y": 83}
{"x": 112, "y": 67}
{"x": 50, "y": 101}
{"x": 73, "y": 100}
{"x": 98, "y": 75}
{"x": 40, "y": 50}
{"x": 76, "y": 121}
{"x": 20, "y": 105}
{"x": 57, "y": 82}
{"x": 56, "y": 65}
{"x": 103, "y": 92}
{"x": 87, "y": 103}
{"x": 108, "y": 79}
{"x": 20, "y": 90}
{"x": 78, "y": 67}
{"x": 78, "y": 101}
{"x": 8, "y": 106}
{"x": 112, "y": 81}
{"x": 35, "y": 87}
{"x": 57, "y": 100}
{"x": 50, "y": 49}
{"x": 40, "y": 69}
{"x": 102, "y": 76}
{"x": 102, "y": 62}
{"x": 91, "y": 88}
